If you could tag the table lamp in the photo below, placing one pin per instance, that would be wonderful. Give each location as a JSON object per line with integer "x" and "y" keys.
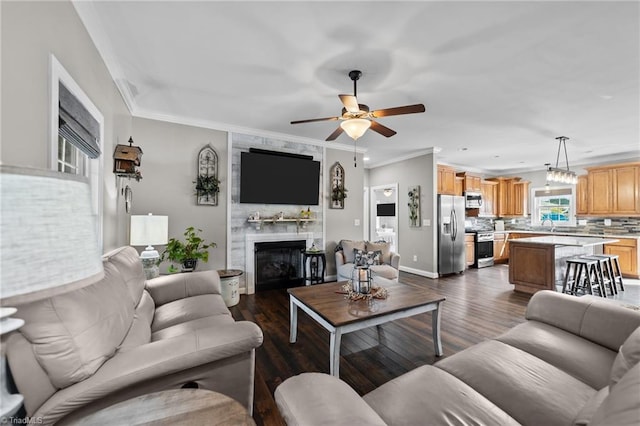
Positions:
{"x": 147, "y": 230}
{"x": 48, "y": 246}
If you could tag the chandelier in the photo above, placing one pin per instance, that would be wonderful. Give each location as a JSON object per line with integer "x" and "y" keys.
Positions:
{"x": 556, "y": 174}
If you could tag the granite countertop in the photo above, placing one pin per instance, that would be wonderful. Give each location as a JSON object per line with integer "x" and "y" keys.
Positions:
{"x": 570, "y": 234}
{"x": 563, "y": 240}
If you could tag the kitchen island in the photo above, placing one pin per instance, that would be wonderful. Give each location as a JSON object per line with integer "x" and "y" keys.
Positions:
{"x": 539, "y": 263}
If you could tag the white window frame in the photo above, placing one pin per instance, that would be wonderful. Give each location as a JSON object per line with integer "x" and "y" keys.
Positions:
{"x": 94, "y": 170}
{"x": 535, "y": 217}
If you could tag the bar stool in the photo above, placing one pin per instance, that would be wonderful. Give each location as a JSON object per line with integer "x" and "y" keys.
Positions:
{"x": 581, "y": 278}
{"x": 611, "y": 261}
{"x": 603, "y": 274}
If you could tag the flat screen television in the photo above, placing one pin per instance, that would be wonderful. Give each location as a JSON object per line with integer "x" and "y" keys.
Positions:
{"x": 269, "y": 177}
{"x": 386, "y": 209}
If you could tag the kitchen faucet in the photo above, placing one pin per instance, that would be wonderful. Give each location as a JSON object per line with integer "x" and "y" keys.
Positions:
{"x": 551, "y": 222}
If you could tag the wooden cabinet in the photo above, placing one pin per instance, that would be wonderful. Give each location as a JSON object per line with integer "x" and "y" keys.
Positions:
{"x": 512, "y": 197}
{"x": 612, "y": 190}
{"x": 625, "y": 187}
{"x": 582, "y": 195}
{"x": 489, "y": 192}
{"x": 470, "y": 249}
{"x": 471, "y": 182}
{"x": 627, "y": 251}
{"x": 459, "y": 186}
{"x": 446, "y": 180}
{"x": 500, "y": 247}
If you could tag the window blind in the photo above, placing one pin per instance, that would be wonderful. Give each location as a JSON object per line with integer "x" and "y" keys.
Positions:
{"x": 77, "y": 125}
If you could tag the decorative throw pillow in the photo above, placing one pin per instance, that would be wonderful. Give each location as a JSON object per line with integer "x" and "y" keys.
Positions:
{"x": 360, "y": 257}
{"x": 384, "y": 248}
{"x": 374, "y": 257}
{"x": 347, "y": 249}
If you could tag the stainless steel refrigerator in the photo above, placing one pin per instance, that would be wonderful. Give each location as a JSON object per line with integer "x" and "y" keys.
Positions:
{"x": 451, "y": 249}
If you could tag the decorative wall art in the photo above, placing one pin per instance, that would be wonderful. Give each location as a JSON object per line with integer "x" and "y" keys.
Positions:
{"x": 207, "y": 183}
{"x": 414, "y": 206}
{"x": 338, "y": 191}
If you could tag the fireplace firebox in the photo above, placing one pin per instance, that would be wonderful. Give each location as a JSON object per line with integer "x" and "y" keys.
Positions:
{"x": 278, "y": 264}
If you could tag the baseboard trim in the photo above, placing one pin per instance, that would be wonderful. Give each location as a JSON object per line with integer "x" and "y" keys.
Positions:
{"x": 420, "y": 272}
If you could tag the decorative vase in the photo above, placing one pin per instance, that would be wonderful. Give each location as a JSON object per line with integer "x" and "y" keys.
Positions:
{"x": 189, "y": 265}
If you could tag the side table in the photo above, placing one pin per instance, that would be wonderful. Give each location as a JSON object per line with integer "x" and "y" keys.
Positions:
{"x": 316, "y": 258}
{"x": 173, "y": 407}
{"x": 230, "y": 285}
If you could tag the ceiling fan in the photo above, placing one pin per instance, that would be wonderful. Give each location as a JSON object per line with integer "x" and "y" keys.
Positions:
{"x": 357, "y": 118}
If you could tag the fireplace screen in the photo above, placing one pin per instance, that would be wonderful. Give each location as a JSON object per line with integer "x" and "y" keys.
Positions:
{"x": 278, "y": 264}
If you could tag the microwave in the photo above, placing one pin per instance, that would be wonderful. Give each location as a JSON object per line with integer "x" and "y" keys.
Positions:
{"x": 472, "y": 200}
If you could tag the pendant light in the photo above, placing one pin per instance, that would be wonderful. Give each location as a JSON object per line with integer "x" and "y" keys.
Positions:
{"x": 556, "y": 174}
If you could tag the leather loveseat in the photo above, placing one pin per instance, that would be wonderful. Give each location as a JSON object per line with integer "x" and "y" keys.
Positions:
{"x": 123, "y": 337}
{"x": 386, "y": 266}
{"x": 574, "y": 362}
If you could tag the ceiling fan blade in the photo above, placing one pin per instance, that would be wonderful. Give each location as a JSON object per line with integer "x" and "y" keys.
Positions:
{"x": 350, "y": 103}
{"x": 407, "y": 109}
{"x": 383, "y": 130}
{"x": 315, "y": 119}
{"x": 335, "y": 134}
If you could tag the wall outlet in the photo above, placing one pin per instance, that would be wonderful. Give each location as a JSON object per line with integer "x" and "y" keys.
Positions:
{"x": 582, "y": 222}
{"x": 356, "y": 222}
{"x": 607, "y": 222}
{"x": 415, "y": 257}
{"x": 513, "y": 221}
{"x": 426, "y": 222}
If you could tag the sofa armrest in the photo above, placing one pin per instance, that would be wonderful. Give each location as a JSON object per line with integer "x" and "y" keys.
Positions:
{"x": 168, "y": 288}
{"x": 320, "y": 399}
{"x": 153, "y": 361}
{"x": 395, "y": 260}
{"x": 340, "y": 260}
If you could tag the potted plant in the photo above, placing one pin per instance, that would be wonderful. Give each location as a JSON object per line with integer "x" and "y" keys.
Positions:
{"x": 187, "y": 253}
{"x": 207, "y": 185}
{"x": 339, "y": 193}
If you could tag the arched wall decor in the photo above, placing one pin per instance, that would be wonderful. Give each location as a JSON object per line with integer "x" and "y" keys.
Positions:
{"x": 338, "y": 191}
{"x": 207, "y": 182}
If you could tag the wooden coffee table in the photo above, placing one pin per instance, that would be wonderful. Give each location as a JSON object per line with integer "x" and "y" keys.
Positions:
{"x": 330, "y": 309}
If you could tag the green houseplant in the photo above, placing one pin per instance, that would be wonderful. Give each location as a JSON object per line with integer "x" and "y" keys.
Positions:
{"x": 339, "y": 193}
{"x": 187, "y": 253}
{"x": 207, "y": 185}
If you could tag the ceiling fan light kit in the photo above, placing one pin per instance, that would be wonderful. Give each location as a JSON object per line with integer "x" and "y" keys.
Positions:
{"x": 357, "y": 118}
{"x": 355, "y": 127}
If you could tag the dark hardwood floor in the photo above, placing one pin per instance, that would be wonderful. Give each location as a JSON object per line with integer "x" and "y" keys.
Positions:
{"x": 480, "y": 304}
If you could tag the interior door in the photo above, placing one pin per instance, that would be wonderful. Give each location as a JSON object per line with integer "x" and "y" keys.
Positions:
{"x": 384, "y": 227}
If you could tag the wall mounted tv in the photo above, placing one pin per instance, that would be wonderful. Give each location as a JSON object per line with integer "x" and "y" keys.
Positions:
{"x": 386, "y": 209}
{"x": 269, "y": 177}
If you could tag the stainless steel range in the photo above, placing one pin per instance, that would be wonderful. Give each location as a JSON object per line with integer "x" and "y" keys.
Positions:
{"x": 483, "y": 242}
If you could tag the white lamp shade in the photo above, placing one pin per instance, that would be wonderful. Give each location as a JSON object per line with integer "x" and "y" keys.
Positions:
{"x": 355, "y": 127}
{"x": 147, "y": 230}
{"x": 48, "y": 241}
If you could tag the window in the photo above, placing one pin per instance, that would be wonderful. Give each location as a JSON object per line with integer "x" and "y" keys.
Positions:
{"x": 70, "y": 159}
{"x": 76, "y": 134}
{"x": 553, "y": 206}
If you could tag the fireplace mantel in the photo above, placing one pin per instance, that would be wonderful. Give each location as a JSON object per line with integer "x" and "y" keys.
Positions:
{"x": 252, "y": 239}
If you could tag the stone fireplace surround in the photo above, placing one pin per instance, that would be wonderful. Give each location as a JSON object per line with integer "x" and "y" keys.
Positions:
{"x": 250, "y": 242}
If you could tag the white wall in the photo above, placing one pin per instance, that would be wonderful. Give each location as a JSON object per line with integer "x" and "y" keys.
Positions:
{"x": 30, "y": 33}
{"x": 340, "y": 223}
{"x": 169, "y": 167}
{"x": 420, "y": 241}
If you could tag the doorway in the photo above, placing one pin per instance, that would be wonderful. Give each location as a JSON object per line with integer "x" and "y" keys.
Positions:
{"x": 383, "y": 214}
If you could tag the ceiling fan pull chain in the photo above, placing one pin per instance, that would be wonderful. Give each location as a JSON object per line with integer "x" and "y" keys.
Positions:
{"x": 355, "y": 161}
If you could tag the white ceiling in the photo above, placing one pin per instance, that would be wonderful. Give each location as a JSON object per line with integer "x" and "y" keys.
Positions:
{"x": 500, "y": 80}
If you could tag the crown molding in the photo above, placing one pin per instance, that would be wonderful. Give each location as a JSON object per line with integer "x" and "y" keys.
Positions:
{"x": 432, "y": 150}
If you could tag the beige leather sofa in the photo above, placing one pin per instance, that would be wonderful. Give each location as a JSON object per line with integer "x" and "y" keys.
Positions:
{"x": 574, "y": 362}
{"x": 388, "y": 269}
{"x": 122, "y": 337}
